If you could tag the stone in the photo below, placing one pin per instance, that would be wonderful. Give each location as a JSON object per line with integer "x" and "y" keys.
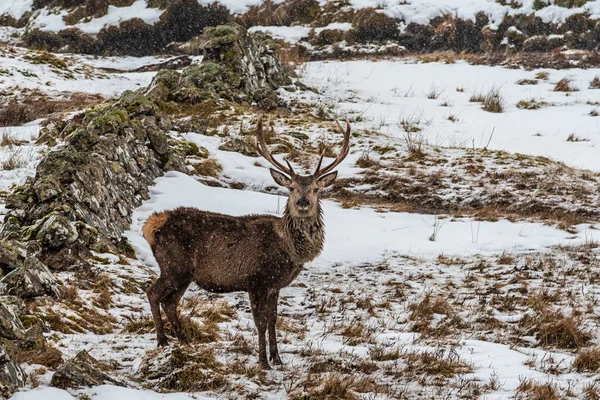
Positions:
{"x": 12, "y": 376}
{"x": 9, "y": 258}
{"x": 81, "y": 371}
{"x": 57, "y": 231}
{"x": 239, "y": 146}
{"x": 30, "y": 280}
{"x": 11, "y": 308}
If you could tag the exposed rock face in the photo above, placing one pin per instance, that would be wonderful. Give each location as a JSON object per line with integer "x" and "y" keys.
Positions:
{"x": 81, "y": 371}
{"x": 237, "y": 66}
{"x": 12, "y": 376}
{"x": 31, "y": 279}
{"x": 83, "y": 194}
{"x": 11, "y": 308}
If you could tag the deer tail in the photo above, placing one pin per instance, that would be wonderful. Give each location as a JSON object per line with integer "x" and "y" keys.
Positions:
{"x": 152, "y": 225}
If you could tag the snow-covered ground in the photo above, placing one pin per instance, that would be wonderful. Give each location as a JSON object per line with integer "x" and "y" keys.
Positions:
{"x": 421, "y": 12}
{"x": 376, "y": 266}
{"x": 386, "y": 93}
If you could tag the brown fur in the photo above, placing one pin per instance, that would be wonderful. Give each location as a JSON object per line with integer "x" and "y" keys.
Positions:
{"x": 153, "y": 224}
{"x": 259, "y": 254}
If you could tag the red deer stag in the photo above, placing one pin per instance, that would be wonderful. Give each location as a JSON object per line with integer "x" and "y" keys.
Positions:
{"x": 260, "y": 254}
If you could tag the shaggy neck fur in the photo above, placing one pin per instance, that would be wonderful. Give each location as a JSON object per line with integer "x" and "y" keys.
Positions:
{"x": 305, "y": 236}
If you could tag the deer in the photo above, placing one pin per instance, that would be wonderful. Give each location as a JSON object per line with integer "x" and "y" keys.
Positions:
{"x": 259, "y": 254}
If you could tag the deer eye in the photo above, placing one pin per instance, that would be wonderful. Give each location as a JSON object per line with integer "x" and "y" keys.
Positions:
{"x": 291, "y": 189}
{"x": 316, "y": 190}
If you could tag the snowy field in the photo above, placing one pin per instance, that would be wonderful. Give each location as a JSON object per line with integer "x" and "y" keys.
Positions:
{"x": 377, "y": 267}
{"x": 421, "y": 12}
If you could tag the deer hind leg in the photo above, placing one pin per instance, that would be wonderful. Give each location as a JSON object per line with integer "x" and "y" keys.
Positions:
{"x": 169, "y": 304}
{"x": 156, "y": 293}
{"x": 272, "y": 322}
{"x": 259, "y": 306}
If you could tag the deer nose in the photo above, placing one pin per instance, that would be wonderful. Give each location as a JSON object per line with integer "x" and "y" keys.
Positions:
{"x": 303, "y": 202}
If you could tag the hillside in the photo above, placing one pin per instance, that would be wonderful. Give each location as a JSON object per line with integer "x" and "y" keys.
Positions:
{"x": 461, "y": 252}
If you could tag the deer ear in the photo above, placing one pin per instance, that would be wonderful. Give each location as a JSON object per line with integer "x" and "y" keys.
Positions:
{"x": 327, "y": 179}
{"x": 280, "y": 178}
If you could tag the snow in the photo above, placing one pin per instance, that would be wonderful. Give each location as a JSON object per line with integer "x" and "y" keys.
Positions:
{"x": 294, "y": 34}
{"x": 104, "y": 392}
{"x": 17, "y": 73}
{"x": 49, "y": 20}
{"x": 15, "y": 8}
{"x": 379, "y": 233}
{"x": 385, "y": 92}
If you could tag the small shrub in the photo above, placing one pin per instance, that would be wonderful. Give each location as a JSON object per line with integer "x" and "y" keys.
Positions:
{"x": 493, "y": 102}
{"x": 435, "y": 363}
{"x": 527, "y": 82}
{"x": 554, "y": 329}
{"x": 542, "y": 75}
{"x": 573, "y": 138}
{"x": 564, "y": 85}
{"x": 531, "y": 104}
{"x": 371, "y": 25}
{"x": 588, "y": 360}
{"x": 531, "y": 390}
{"x": 595, "y": 83}
{"x": 328, "y": 37}
{"x": 208, "y": 167}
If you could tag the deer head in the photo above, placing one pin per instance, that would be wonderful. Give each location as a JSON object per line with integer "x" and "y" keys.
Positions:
{"x": 304, "y": 190}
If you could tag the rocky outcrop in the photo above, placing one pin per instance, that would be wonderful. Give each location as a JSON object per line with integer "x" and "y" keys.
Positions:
{"x": 81, "y": 371}
{"x": 11, "y": 308}
{"x": 237, "y": 66}
{"x": 83, "y": 193}
{"x": 12, "y": 376}
{"x": 31, "y": 279}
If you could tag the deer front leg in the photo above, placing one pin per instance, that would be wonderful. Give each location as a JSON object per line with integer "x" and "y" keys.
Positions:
{"x": 272, "y": 322}
{"x": 259, "y": 306}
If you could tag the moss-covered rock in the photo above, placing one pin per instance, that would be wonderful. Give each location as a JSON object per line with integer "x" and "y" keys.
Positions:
{"x": 239, "y": 146}
{"x": 12, "y": 376}
{"x": 81, "y": 371}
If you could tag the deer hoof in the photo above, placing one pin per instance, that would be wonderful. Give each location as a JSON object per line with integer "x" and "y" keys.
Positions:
{"x": 276, "y": 360}
{"x": 264, "y": 365}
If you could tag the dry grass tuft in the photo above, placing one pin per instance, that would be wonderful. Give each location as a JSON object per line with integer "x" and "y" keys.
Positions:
{"x": 554, "y": 329}
{"x": 542, "y": 75}
{"x": 435, "y": 363}
{"x": 575, "y": 139}
{"x": 595, "y": 83}
{"x": 139, "y": 324}
{"x": 565, "y": 85}
{"x": 493, "y": 101}
{"x": 209, "y": 167}
{"x": 587, "y": 360}
{"x": 531, "y": 390}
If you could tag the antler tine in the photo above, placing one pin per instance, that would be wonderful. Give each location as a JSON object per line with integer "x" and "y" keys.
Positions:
{"x": 343, "y": 153}
{"x": 263, "y": 150}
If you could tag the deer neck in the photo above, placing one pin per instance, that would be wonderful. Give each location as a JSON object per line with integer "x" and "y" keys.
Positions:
{"x": 303, "y": 237}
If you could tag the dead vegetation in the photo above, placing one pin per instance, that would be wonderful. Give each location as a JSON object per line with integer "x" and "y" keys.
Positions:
{"x": 565, "y": 85}
{"x": 31, "y": 105}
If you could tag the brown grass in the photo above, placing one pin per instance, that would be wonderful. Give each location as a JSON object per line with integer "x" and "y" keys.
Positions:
{"x": 435, "y": 363}
{"x": 35, "y": 105}
{"x": 542, "y": 75}
{"x": 493, "y": 101}
{"x": 565, "y": 85}
{"x": 554, "y": 329}
{"x": 595, "y": 83}
{"x": 531, "y": 390}
{"x": 587, "y": 360}
{"x": 208, "y": 167}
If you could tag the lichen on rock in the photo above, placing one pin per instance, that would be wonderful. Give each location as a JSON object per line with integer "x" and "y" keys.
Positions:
{"x": 237, "y": 66}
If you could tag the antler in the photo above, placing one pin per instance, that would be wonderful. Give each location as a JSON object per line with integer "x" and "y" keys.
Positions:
{"x": 343, "y": 153}
{"x": 262, "y": 149}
